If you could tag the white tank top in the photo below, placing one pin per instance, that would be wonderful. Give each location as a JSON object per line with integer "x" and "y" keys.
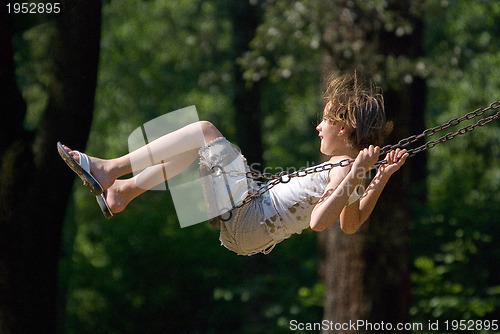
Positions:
{"x": 287, "y": 207}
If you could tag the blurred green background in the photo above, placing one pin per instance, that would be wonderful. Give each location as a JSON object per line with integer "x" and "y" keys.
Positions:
{"x": 141, "y": 273}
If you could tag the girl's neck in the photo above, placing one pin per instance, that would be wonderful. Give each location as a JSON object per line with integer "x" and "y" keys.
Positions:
{"x": 345, "y": 152}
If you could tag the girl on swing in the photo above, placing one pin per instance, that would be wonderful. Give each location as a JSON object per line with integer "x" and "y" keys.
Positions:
{"x": 353, "y": 126}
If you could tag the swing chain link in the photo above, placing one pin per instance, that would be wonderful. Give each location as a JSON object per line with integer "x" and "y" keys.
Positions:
{"x": 452, "y": 122}
{"x": 461, "y": 131}
{"x": 285, "y": 177}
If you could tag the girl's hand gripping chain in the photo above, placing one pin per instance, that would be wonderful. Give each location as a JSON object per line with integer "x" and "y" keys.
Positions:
{"x": 366, "y": 159}
{"x": 395, "y": 159}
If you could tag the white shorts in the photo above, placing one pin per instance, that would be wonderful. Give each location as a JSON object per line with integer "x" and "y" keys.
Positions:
{"x": 242, "y": 229}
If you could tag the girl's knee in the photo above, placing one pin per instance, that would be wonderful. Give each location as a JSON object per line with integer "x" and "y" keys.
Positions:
{"x": 210, "y": 132}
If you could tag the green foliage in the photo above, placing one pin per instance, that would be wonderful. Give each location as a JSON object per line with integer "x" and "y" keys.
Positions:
{"x": 141, "y": 272}
{"x": 286, "y": 45}
{"x": 285, "y": 56}
{"x": 456, "y": 241}
{"x": 158, "y": 57}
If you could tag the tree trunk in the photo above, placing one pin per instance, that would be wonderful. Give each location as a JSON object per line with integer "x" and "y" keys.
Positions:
{"x": 367, "y": 274}
{"x": 35, "y": 184}
{"x": 245, "y": 19}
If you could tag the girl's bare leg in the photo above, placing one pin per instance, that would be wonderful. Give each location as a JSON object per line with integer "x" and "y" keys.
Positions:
{"x": 164, "y": 149}
{"x": 188, "y": 138}
{"x": 122, "y": 192}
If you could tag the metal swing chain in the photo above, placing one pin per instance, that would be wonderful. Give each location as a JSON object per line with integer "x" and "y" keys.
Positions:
{"x": 285, "y": 177}
{"x": 452, "y": 122}
{"x": 466, "y": 129}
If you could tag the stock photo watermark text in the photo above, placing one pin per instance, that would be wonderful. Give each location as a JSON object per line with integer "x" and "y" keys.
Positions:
{"x": 431, "y": 325}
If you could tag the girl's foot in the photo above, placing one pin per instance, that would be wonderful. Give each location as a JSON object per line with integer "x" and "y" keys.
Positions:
{"x": 98, "y": 168}
{"x": 121, "y": 193}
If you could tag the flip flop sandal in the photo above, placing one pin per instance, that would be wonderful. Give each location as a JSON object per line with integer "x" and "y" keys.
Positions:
{"x": 82, "y": 169}
{"x": 101, "y": 200}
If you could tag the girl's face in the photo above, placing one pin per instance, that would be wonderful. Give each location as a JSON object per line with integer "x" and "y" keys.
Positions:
{"x": 330, "y": 134}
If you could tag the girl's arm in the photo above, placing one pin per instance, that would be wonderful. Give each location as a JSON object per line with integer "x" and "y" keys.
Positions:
{"x": 352, "y": 217}
{"x": 395, "y": 159}
{"x": 342, "y": 183}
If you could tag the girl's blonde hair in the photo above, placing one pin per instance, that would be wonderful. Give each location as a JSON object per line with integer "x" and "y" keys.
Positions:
{"x": 360, "y": 107}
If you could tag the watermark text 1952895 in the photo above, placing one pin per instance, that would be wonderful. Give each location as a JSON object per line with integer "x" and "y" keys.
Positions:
{"x": 34, "y": 8}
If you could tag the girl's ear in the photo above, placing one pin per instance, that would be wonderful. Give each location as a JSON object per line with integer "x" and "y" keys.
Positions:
{"x": 342, "y": 130}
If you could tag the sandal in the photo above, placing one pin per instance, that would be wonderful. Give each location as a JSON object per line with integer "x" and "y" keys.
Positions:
{"x": 101, "y": 200}
{"x": 82, "y": 169}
